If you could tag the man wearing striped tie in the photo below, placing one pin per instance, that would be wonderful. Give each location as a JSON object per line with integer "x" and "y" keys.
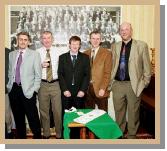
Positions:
{"x": 49, "y": 89}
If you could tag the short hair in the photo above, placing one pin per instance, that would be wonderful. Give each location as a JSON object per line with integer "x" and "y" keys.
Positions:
{"x": 46, "y": 32}
{"x": 94, "y": 32}
{"x": 127, "y": 24}
{"x": 24, "y": 33}
{"x": 75, "y": 38}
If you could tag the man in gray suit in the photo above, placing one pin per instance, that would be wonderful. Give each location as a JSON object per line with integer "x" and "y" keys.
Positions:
{"x": 24, "y": 81}
{"x": 130, "y": 74}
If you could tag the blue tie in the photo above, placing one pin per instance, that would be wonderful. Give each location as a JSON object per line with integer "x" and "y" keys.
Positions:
{"x": 122, "y": 65}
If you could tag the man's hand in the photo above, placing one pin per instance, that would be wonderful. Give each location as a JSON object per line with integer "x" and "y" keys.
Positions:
{"x": 80, "y": 94}
{"x": 101, "y": 92}
{"x": 67, "y": 93}
{"x": 45, "y": 64}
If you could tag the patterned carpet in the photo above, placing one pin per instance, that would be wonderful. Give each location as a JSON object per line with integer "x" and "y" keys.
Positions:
{"x": 142, "y": 134}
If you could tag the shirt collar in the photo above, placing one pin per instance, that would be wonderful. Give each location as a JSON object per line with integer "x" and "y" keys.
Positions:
{"x": 95, "y": 49}
{"x": 71, "y": 53}
{"x": 129, "y": 43}
{"x": 47, "y": 48}
{"x": 22, "y": 50}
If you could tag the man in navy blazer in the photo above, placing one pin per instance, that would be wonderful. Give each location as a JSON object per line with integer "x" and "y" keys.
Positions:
{"x": 74, "y": 75}
{"x": 23, "y": 86}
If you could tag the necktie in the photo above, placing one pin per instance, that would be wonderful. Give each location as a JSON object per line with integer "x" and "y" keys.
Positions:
{"x": 17, "y": 76}
{"x": 74, "y": 58}
{"x": 49, "y": 75}
{"x": 122, "y": 65}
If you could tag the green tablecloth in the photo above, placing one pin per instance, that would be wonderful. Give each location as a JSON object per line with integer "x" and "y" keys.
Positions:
{"x": 103, "y": 127}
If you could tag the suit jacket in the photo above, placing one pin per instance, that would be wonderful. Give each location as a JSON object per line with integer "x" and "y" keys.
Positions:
{"x": 30, "y": 72}
{"x": 81, "y": 72}
{"x": 7, "y": 51}
{"x": 139, "y": 65}
{"x": 101, "y": 70}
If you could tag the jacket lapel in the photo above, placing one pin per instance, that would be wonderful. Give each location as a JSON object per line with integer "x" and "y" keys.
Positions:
{"x": 89, "y": 53}
{"x": 14, "y": 56}
{"x": 78, "y": 61}
{"x": 69, "y": 61}
{"x": 133, "y": 49}
{"x": 27, "y": 53}
{"x": 118, "y": 51}
{"x": 98, "y": 55}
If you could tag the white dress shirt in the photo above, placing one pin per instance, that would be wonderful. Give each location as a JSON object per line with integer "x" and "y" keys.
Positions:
{"x": 54, "y": 55}
{"x": 71, "y": 54}
{"x": 96, "y": 50}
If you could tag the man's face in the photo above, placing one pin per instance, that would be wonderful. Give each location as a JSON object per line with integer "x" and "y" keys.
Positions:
{"x": 47, "y": 40}
{"x": 126, "y": 32}
{"x": 95, "y": 40}
{"x": 75, "y": 46}
{"x": 23, "y": 41}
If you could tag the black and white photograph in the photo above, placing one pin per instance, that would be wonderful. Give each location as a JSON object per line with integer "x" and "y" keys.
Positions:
{"x": 64, "y": 22}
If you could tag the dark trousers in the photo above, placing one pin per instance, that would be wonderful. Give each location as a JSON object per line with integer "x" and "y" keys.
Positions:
{"x": 91, "y": 100}
{"x": 76, "y": 102}
{"x": 22, "y": 106}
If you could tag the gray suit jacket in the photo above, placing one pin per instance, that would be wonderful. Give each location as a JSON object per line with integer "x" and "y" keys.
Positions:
{"x": 30, "y": 72}
{"x": 139, "y": 65}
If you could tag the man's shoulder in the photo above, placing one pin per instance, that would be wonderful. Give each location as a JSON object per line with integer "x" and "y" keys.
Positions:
{"x": 86, "y": 51}
{"x": 13, "y": 52}
{"x": 117, "y": 43}
{"x": 84, "y": 55}
{"x": 64, "y": 55}
{"x": 139, "y": 42}
{"x": 33, "y": 53}
{"x": 40, "y": 50}
{"x": 105, "y": 50}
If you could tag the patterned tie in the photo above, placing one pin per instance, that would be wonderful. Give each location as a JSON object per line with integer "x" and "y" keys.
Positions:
{"x": 17, "y": 76}
{"x": 49, "y": 68}
{"x": 74, "y": 58}
{"x": 122, "y": 64}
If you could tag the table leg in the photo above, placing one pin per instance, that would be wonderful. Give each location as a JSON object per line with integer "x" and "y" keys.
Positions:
{"x": 83, "y": 133}
{"x": 91, "y": 135}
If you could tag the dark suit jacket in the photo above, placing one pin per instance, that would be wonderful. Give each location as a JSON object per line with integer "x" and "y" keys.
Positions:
{"x": 6, "y": 67}
{"x": 81, "y": 73}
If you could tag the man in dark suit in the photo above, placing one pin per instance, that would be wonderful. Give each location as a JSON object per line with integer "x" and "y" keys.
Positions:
{"x": 74, "y": 75}
{"x": 8, "y": 113}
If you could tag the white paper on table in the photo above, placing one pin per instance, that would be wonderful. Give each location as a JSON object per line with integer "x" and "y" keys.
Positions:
{"x": 89, "y": 116}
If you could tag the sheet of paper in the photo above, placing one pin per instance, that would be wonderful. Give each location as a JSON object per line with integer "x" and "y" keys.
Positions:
{"x": 89, "y": 116}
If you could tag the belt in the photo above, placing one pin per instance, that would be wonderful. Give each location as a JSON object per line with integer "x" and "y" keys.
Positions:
{"x": 43, "y": 80}
{"x": 17, "y": 84}
{"x": 122, "y": 80}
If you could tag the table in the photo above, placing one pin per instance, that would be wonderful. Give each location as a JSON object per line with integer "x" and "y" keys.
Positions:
{"x": 83, "y": 130}
{"x": 103, "y": 127}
